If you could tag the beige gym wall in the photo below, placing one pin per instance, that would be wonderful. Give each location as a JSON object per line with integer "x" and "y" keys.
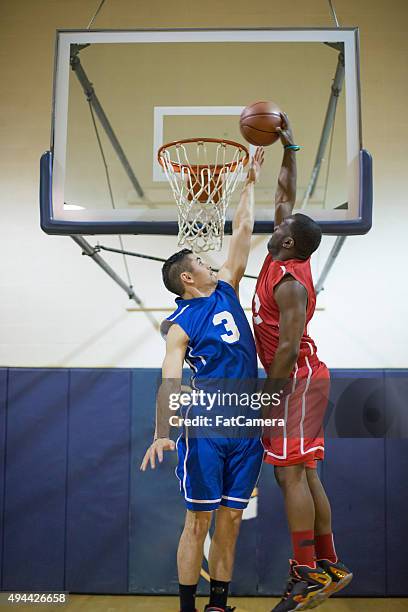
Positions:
{"x": 58, "y": 309}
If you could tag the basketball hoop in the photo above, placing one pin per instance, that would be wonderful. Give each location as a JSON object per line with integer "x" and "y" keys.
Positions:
{"x": 202, "y": 190}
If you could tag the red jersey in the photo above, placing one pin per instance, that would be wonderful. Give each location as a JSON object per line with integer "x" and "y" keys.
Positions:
{"x": 265, "y": 310}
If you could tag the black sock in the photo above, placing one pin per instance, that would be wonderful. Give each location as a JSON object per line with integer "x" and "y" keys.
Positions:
{"x": 187, "y": 597}
{"x": 218, "y": 593}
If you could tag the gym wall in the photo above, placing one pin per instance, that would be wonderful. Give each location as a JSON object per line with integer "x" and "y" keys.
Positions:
{"x": 58, "y": 309}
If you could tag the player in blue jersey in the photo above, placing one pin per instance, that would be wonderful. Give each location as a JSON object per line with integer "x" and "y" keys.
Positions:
{"x": 209, "y": 330}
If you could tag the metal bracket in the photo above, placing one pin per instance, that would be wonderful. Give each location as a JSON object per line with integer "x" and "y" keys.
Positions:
{"x": 338, "y": 245}
{"x": 88, "y": 250}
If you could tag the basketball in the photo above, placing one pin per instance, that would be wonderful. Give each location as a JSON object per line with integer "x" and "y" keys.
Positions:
{"x": 258, "y": 123}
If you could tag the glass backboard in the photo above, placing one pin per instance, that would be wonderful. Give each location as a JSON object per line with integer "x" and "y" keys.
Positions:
{"x": 119, "y": 95}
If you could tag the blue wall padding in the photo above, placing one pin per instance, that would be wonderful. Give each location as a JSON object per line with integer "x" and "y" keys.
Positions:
{"x": 358, "y": 399}
{"x": 359, "y": 508}
{"x": 157, "y": 508}
{"x": 397, "y": 517}
{"x": 98, "y": 481}
{"x": 3, "y": 406}
{"x": 77, "y": 514}
{"x": 273, "y": 541}
{"x": 396, "y": 398}
{"x": 35, "y": 484}
{"x": 354, "y": 480}
{"x": 396, "y": 393}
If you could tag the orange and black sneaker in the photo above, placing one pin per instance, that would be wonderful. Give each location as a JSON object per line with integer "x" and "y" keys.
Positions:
{"x": 304, "y": 587}
{"x": 340, "y": 575}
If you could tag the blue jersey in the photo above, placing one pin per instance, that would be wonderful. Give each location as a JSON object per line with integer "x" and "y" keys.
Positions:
{"x": 217, "y": 467}
{"x": 221, "y": 344}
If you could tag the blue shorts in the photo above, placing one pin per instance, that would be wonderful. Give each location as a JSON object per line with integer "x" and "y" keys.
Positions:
{"x": 214, "y": 471}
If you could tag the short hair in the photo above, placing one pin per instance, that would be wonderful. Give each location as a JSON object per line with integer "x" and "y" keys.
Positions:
{"x": 306, "y": 233}
{"x": 172, "y": 268}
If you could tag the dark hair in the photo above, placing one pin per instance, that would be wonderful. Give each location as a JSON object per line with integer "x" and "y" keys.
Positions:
{"x": 306, "y": 233}
{"x": 172, "y": 268}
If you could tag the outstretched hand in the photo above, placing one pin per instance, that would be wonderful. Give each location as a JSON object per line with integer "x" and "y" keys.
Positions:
{"x": 254, "y": 171}
{"x": 285, "y": 132}
{"x": 157, "y": 448}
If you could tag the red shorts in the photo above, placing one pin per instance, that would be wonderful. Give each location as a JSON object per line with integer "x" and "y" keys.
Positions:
{"x": 302, "y": 407}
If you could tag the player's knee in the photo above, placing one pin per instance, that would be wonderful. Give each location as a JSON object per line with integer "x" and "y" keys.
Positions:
{"x": 287, "y": 476}
{"x": 312, "y": 475}
{"x": 197, "y": 524}
{"x": 280, "y": 476}
{"x": 228, "y": 520}
{"x": 236, "y": 519}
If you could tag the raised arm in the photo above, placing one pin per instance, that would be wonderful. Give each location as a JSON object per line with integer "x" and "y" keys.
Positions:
{"x": 242, "y": 226}
{"x": 285, "y": 196}
{"x": 176, "y": 345}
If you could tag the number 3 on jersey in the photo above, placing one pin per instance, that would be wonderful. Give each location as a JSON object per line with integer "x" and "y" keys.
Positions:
{"x": 227, "y": 320}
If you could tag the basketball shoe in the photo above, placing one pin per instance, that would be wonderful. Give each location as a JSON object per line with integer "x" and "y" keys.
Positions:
{"x": 340, "y": 575}
{"x": 304, "y": 587}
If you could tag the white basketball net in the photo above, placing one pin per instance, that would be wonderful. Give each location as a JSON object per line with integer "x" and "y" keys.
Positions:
{"x": 202, "y": 188}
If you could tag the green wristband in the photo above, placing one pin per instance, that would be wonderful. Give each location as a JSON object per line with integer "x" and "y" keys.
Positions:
{"x": 293, "y": 147}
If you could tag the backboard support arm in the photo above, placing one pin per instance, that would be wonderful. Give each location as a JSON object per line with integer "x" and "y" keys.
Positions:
{"x": 336, "y": 248}
{"x": 88, "y": 250}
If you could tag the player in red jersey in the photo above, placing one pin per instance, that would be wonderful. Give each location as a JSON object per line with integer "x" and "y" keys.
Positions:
{"x": 283, "y": 305}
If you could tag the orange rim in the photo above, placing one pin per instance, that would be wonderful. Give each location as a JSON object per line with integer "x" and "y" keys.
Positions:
{"x": 213, "y": 167}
